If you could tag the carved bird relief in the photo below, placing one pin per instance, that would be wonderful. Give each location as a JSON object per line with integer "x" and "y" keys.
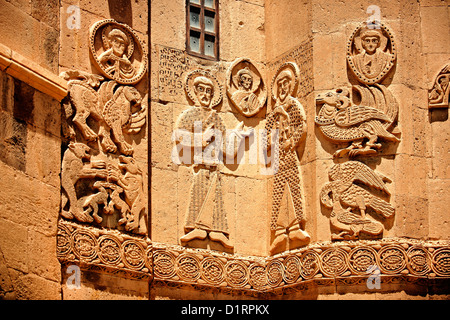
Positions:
{"x": 342, "y": 121}
{"x": 349, "y": 187}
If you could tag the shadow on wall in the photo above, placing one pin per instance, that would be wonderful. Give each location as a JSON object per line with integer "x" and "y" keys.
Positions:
{"x": 120, "y": 10}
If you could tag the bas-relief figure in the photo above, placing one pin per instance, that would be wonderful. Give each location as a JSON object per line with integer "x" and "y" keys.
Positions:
{"x": 202, "y": 128}
{"x": 286, "y": 130}
{"x": 117, "y": 52}
{"x": 371, "y": 52}
{"x": 245, "y": 87}
{"x": 101, "y": 182}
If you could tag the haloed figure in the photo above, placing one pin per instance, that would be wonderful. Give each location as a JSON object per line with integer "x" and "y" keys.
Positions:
{"x": 114, "y": 59}
{"x": 206, "y": 216}
{"x": 244, "y": 97}
{"x": 372, "y": 60}
{"x": 288, "y": 117}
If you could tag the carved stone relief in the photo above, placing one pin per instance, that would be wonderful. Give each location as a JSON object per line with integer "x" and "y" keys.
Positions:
{"x": 321, "y": 263}
{"x": 349, "y": 200}
{"x": 371, "y": 52}
{"x": 371, "y": 55}
{"x": 439, "y": 94}
{"x": 101, "y": 182}
{"x": 341, "y": 121}
{"x": 202, "y": 129}
{"x": 245, "y": 87}
{"x": 117, "y": 52}
{"x": 286, "y": 130}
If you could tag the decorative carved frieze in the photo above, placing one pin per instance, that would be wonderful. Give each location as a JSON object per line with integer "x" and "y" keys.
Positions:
{"x": 319, "y": 264}
{"x": 104, "y": 250}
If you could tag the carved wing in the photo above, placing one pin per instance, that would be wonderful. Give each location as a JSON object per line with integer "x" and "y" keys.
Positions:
{"x": 356, "y": 114}
{"x": 106, "y": 92}
{"x": 364, "y": 174}
{"x": 83, "y": 96}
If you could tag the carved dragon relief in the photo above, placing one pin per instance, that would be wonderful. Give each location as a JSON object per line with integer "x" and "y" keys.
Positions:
{"x": 102, "y": 183}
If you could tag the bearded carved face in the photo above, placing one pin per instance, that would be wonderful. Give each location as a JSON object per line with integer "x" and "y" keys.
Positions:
{"x": 284, "y": 88}
{"x": 204, "y": 93}
{"x": 246, "y": 81}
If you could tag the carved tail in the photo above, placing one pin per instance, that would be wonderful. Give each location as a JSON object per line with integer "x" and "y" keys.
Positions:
{"x": 382, "y": 207}
{"x": 325, "y": 197}
{"x": 379, "y": 97}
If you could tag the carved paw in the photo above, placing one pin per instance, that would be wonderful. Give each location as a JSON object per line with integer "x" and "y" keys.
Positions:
{"x": 132, "y": 226}
{"x": 89, "y": 134}
{"x": 126, "y": 148}
{"x": 108, "y": 145}
{"x": 81, "y": 216}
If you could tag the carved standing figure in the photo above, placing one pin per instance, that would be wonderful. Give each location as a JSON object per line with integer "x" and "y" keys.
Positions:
{"x": 287, "y": 125}
{"x": 206, "y": 216}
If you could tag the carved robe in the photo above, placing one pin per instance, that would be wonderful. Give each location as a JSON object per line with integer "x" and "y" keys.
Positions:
{"x": 205, "y": 209}
{"x": 286, "y": 163}
{"x": 371, "y": 65}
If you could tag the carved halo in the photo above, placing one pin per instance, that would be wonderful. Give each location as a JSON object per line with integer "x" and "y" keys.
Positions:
{"x": 189, "y": 86}
{"x": 292, "y": 66}
{"x": 258, "y": 85}
{"x": 136, "y": 54}
{"x": 387, "y": 44}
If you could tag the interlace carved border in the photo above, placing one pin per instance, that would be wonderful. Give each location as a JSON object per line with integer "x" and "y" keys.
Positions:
{"x": 321, "y": 264}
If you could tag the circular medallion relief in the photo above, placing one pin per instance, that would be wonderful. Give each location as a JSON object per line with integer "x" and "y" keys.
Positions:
{"x": 117, "y": 51}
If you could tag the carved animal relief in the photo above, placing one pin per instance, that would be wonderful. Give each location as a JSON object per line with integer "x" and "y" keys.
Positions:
{"x": 348, "y": 196}
{"x": 245, "y": 87}
{"x": 101, "y": 182}
{"x": 362, "y": 125}
{"x": 362, "y": 121}
{"x": 371, "y": 55}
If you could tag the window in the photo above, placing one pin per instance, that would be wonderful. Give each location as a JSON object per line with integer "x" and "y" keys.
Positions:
{"x": 202, "y": 21}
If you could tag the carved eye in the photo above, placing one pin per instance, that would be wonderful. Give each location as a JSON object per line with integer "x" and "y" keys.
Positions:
{"x": 329, "y": 94}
